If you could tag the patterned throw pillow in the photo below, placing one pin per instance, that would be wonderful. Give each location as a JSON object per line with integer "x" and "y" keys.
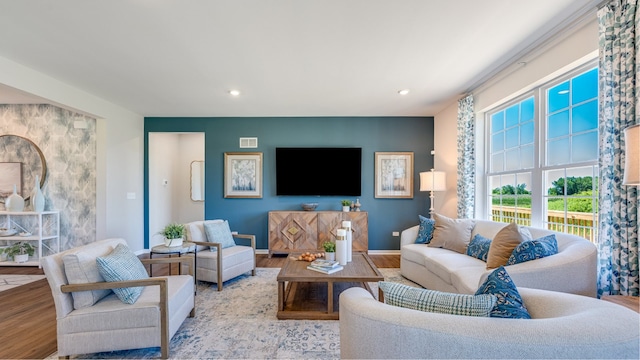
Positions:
{"x": 425, "y": 232}
{"x": 219, "y": 232}
{"x": 502, "y": 245}
{"x": 435, "y": 301}
{"x": 479, "y": 247}
{"x": 509, "y": 304}
{"x": 121, "y": 265}
{"x": 534, "y": 249}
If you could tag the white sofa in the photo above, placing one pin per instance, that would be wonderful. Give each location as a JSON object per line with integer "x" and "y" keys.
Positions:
{"x": 572, "y": 270}
{"x": 561, "y": 326}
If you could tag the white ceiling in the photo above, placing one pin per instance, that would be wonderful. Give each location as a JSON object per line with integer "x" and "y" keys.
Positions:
{"x": 287, "y": 57}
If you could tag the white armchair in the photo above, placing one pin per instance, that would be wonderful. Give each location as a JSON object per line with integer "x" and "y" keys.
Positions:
{"x": 110, "y": 324}
{"x": 217, "y": 264}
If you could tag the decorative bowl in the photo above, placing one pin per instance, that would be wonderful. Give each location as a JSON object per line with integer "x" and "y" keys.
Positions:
{"x": 309, "y": 206}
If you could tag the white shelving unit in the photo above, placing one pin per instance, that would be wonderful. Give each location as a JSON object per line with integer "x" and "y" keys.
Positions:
{"x": 44, "y": 228}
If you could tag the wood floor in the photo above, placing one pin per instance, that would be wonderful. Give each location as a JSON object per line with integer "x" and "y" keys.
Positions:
{"x": 28, "y": 315}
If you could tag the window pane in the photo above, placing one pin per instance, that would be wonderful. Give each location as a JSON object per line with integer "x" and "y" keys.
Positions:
{"x": 558, "y": 97}
{"x": 497, "y": 142}
{"x": 497, "y": 121}
{"x": 497, "y": 162}
{"x": 584, "y": 147}
{"x": 513, "y": 115}
{"x": 513, "y": 160}
{"x": 584, "y": 87}
{"x": 558, "y": 152}
{"x": 526, "y": 157}
{"x": 558, "y": 125}
{"x": 553, "y": 185}
{"x": 512, "y": 138}
{"x": 585, "y": 117}
{"x": 526, "y": 110}
{"x": 526, "y": 133}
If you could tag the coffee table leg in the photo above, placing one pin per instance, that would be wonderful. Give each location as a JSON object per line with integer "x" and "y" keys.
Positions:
{"x": 330, "y": 297}
{"x": 280, "y": 295}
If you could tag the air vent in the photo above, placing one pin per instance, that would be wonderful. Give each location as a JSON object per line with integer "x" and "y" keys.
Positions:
{"x": 248, "y": 142}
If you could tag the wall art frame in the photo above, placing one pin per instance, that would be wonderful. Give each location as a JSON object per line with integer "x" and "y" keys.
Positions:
{"x": 243, "y": 175}
{"x": 394, "y": 175}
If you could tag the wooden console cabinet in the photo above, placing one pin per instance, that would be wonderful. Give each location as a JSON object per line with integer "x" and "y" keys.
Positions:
{"x": 300, "y": 231}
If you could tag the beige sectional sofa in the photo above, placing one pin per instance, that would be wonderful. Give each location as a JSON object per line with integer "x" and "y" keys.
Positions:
{"x": 572, "y": 270}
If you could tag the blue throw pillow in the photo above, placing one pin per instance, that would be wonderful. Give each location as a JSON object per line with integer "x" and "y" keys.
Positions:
{"x": 509, "y": 304}
{"x": 219, "y": 232}
{"x": 534, "y": 249}
{"x": 479, "y": 247}
{"x": 121, "y": 265}
{"x": 425, "y": 233}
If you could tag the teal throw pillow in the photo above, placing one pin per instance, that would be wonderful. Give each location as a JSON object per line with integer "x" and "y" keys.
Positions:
{"x": 509, "y": 304}
{"x": 425, "y": 232}
{"x": 219, "y": 232}
{"x": 436, "y": 301}
{"x": 479, "y": 247}
{"x": 534, "y": 249}
{"x": 122, "y": 265}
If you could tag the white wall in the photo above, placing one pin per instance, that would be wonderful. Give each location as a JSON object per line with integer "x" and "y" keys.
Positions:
{"x": 576, "y": 46}
{"x": 120, "y": 148}
{"x": 191, "y": 149}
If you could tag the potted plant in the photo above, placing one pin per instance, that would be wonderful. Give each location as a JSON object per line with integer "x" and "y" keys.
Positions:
{"x": 330, "y": 250}
{"x": 345, "y": 205}
{"x": 20, "y": 251}
{"x": 173, "y": 234}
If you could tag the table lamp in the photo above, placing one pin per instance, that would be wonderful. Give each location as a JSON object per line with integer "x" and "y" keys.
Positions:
{"x": 433, "y": 181}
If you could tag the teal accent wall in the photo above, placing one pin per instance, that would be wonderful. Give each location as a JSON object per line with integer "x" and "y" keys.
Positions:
{"x": 372, "y": 134}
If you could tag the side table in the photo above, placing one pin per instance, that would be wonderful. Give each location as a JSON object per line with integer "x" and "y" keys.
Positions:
{"x": 186, "y": 248}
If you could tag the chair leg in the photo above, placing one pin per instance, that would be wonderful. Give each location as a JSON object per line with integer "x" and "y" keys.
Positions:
{"x": 192, "y": 313}
{"x": 219, "y": 285}
{"x": 63, "y": 357}
{"x": 253, "y": 272}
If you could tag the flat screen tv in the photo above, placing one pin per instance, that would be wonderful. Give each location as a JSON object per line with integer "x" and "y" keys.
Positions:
{"x": 318, "y": 171}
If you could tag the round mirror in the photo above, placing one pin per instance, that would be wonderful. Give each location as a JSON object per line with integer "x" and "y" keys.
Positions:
{"x": 20, "y": 161}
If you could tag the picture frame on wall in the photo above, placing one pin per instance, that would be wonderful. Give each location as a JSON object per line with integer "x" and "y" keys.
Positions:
{"x": 243, "y": 175}
{"x": 10, "y": 174}
{"x": 394, "y": 175}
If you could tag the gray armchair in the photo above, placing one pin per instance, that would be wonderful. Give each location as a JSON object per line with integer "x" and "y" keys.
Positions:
{"x": 109, "y": 324}
{"x": 216, "y": 264}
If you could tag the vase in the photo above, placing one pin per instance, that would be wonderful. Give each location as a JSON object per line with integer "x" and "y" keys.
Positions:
{"x": 331, "y": 256}
{"x": 173, "y": 242}
{"x": 37, "y": 198}
{"x": 341, "y": 246}
{"x": 346, "y": 208}
{"x": 14, "y": 202}
{"x": 346, "y": 225}
{"x": 21, "y": 258}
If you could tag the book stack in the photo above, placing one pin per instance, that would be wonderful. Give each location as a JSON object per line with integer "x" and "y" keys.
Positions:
{"x": 325, "y": 266}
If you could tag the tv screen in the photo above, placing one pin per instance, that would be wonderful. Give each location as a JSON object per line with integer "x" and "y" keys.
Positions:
{"x": 318, "y": 171}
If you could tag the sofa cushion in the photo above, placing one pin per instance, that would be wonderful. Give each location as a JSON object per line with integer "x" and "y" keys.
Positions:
{"x": 425, "y": 231}
{"x": 534, "y": 249}
{"x": 452, "y": 234}
{"x": 81, "y": 268}
{"x": 503, "y": 244}
{"x": 436, "y": 301}
{"x": 121, "y": 265}
{"x": 447, "y": 263}
{"x": 219, "y": 232}
{"x": 509, "y": 303}
{"x": 479, "y": 247}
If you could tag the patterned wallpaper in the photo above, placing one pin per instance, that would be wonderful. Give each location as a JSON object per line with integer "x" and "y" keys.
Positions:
{"x": 70, "y": 154}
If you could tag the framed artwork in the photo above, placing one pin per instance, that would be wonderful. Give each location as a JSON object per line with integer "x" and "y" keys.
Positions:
{"x": 243, "y": 175}
{"x": 394, "y": 175}
{"x": 10, "y": 174}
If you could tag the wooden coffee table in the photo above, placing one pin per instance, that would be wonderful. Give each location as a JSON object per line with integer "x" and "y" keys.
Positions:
{"x": 307, "y": 294}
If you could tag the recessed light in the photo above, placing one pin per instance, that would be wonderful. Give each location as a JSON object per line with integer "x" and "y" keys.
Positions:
{"x": 403, "y": 91}
{"x": 234, "y": 92}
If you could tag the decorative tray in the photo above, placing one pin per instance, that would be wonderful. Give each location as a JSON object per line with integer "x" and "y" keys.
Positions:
{"x": 7, "y": 232}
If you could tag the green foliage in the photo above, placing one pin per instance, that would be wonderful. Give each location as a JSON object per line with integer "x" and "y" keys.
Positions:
{"x": 19, "y": 248}
{"x": 574, "y": 185}
{"x": 574, "y": 204}
{"x": 173, "y": 231}
{"x": 345, "y": 202}
{"x": 329, "y": 246}
{"x": 520, "y": 189}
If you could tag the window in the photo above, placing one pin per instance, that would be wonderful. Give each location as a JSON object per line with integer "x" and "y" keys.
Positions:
{"x": 543, "y": 153}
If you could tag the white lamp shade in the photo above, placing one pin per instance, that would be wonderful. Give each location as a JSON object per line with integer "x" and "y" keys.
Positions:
{"x": 632, "y": 155}
{"x": 433, "y": 181}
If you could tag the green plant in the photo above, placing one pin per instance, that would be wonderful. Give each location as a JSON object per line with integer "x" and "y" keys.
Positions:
{"x": 19, "y": 248}
{"x": 173, "y": 231}
{"x": 329, "y": 246}
{"x": 345, "y": 202}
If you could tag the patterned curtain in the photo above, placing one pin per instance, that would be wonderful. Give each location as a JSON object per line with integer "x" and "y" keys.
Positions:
{"x": 466, "y": 158}
{"x": 619, "y": 108}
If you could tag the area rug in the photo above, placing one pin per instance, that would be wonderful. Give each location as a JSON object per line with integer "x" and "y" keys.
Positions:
{"x": 10, "y": 281}
{"x": 240, "y": 323}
